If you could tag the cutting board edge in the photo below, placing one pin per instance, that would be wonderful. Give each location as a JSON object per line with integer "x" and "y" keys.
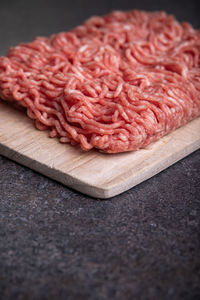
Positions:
{"x": 112, "y": 191}
{"x": 106, "y": 191}
{"x": 67, "y": 179}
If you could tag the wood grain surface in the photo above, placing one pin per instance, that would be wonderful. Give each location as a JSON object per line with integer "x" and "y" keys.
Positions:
{"x": 96, "y": 174}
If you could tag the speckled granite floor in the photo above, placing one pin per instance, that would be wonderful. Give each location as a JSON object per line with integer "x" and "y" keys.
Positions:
{"x": 56, "y": 243}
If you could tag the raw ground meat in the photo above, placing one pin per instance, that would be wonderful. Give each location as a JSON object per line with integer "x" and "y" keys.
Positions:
{"x": 116, "y": 83}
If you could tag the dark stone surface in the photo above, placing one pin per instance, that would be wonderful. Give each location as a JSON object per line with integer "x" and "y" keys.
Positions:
{"x": 59, "y": 244}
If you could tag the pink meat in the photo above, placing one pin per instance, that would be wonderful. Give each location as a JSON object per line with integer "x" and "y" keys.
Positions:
{"x": 116, "y": 83}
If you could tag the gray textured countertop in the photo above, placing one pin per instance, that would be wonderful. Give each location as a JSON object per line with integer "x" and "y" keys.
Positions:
{"x": 56, "y": 243}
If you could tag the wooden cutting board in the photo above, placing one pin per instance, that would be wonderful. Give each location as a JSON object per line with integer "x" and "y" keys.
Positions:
{"x": 93, "y": 173}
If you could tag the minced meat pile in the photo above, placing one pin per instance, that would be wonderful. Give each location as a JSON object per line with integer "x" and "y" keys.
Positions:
{"x": 115, "y": 83}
